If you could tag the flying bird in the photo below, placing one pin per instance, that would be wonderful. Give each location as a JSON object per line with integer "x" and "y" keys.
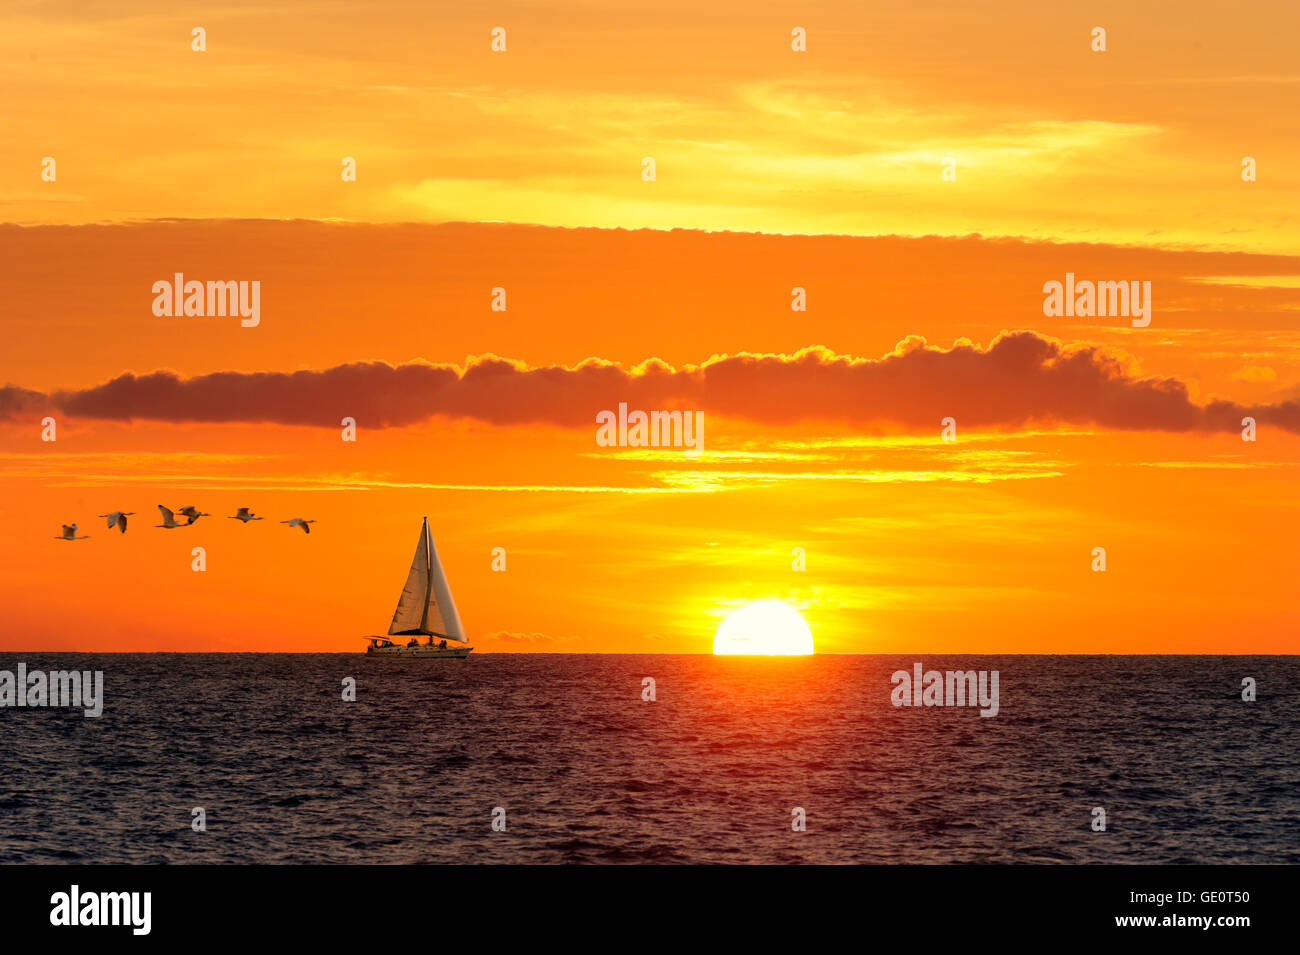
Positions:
{"x": 117, "y": 519}
{"x": 299, "y": 522}
{"x": 245, "y": 515}
{"x": 70, "y": 534}
{"x": 169, "y": 519}
{"x": 193, "y": 513}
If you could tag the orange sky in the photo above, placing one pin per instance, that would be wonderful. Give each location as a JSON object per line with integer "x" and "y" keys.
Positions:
{"x": 913, "y": 544}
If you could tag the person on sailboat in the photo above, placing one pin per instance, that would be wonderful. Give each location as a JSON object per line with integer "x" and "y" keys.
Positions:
{"x": 413, "y": 642}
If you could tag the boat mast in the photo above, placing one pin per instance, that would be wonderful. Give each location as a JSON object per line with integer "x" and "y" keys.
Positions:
{"x": 428, "y": 577}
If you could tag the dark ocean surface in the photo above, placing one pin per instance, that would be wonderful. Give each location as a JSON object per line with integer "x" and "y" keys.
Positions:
{"x": 288, "y": 772}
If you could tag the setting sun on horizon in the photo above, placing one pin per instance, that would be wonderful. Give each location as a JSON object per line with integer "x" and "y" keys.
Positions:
{"x": 766, "y": 628}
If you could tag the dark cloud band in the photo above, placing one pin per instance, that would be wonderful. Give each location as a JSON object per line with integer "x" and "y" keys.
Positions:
{"x": 1020, "y": 378}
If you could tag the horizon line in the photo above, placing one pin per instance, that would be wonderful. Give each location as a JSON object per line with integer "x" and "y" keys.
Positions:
{"x": 1205, "y": 248}
{"x": 686, "y": 653}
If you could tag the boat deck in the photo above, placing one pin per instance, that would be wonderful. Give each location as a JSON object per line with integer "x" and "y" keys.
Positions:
{"x": 422, "y": 651}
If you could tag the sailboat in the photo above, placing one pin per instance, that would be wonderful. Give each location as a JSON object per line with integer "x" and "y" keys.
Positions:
{"x": 425, "y": 609}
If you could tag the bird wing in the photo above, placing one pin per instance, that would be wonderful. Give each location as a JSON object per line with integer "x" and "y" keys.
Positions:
{"x": 167, "y": 515}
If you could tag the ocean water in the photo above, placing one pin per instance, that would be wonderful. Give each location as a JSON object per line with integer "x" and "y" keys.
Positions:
{"x": 411, "y": 772}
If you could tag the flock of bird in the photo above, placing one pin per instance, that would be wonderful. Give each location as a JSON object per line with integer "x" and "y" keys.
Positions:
{"x": 118, "y": 519}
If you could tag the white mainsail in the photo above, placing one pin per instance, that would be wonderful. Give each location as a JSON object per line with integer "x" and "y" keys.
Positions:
{"x": 425, "y": 606}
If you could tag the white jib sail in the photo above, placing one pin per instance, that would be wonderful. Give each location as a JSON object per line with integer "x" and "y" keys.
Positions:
{"x": 426, "y": 605}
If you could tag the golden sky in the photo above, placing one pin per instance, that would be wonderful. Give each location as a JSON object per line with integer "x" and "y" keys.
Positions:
{"x": 775, "y": 169}
{"x": 1140, "y": 144}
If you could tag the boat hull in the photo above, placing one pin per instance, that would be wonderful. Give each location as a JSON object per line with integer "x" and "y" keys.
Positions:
{"x": 423, "y": 652}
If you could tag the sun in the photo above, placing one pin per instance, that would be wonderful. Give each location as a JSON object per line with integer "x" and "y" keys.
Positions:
{"x": 764, "y": 627}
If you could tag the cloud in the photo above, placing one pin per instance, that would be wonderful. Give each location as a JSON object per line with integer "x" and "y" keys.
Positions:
{"x": 523, "y": 639}
{"x": 15, "y": 401}
{"x": 1020, "y": 379}
{"x": 1254, "y": 373}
